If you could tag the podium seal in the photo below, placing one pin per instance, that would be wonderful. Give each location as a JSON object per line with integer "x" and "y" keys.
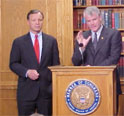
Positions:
{"x": 82, "y": 97}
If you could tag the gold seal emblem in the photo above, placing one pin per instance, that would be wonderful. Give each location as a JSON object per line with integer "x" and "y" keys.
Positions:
{"x": 82, "y": 97}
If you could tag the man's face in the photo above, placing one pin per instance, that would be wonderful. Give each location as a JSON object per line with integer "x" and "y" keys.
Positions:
{"x": 93, "y": 21}
{"x": 35, "y": 22}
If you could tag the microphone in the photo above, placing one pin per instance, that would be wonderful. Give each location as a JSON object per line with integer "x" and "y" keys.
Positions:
{"x": 81, "y": 45}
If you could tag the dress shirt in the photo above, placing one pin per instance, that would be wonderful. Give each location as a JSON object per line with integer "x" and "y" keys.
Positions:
{"x": 40, "y": 41}
{"x": 98, "y": 33}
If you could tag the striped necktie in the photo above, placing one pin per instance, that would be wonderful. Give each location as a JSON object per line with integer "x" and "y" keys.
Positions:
{"x": 95, "y": 41}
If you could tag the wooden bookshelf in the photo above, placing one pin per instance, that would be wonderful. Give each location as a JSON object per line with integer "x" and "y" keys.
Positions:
{"x": 113, "y": 12}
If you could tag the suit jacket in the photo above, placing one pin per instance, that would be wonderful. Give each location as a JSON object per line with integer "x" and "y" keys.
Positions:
{"x": 22, "y": 58}
{"x": 107, "y": 52}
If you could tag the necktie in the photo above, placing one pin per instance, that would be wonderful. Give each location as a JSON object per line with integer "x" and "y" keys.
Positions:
{"x": 36, "y": 47}
{"x": 95, "y": 41}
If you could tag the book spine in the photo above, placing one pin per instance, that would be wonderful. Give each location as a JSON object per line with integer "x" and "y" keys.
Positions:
{"x": 75, "y": 19}
{"x": 110, "y": 18}
{"x": 106, "y": 18}
{"x": 117, "y": 26}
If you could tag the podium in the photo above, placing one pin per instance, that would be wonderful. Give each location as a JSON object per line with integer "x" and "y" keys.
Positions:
{"x": 81, "y": 90}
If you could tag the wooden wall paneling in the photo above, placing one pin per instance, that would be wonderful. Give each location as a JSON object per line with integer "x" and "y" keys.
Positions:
{"x": 51, "y": 17}
{"x": 13, "y": 19}
{"x": 65, "y": 30}
{"x": 68, "y": 28}
{"x": 59, "y": 28}
{"x": 8, "y": 105}
{"x": 8, "y": 76}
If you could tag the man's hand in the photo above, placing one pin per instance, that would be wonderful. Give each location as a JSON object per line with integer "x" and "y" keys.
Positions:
{"x": 32, "y": 74}
{"x": 82, "y": 40}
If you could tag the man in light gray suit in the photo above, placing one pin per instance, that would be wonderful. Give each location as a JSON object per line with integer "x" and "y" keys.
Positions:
{"x": 100, "y": 46}
{"x": 30, "y": 56}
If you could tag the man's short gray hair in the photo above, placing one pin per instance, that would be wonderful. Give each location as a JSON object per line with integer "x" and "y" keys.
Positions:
{"x": 90, "y": 10}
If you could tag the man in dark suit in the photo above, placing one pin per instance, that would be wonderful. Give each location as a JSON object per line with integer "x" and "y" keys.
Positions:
{"x": 102, "y": 52}
{"x": 34, "y": 92}
{"x": 100, "y": 46}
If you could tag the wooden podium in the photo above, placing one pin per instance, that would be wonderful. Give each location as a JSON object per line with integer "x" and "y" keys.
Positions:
{"x": 65, "y": 77}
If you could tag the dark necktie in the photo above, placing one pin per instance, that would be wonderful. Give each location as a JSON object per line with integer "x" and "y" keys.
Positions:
{"x": 95, "y": 41}
{"x": 36, "y": 47}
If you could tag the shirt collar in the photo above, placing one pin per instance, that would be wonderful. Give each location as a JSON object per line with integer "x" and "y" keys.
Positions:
{"x": 33, "y": 35}
{"x": 99, "y": 31}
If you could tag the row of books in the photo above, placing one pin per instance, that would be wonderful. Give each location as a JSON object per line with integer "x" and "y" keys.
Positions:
{"x": 110, "y": 19}
{"x": 97, "y": 2}
{"x": 113, "y": 19}
{"x": 78, "y": 20}
{"x": 121, "y": 67}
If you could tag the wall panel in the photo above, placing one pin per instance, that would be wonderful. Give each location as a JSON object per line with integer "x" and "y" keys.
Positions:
{"x": 13, "y": 13}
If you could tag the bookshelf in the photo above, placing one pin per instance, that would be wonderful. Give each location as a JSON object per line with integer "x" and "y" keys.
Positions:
{"x": 112, "y": 13}
{"x": 112, "y": 10}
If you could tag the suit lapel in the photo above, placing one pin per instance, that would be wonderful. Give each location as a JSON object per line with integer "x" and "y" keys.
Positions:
{"x": 90, "y": 45}
{"x": 44, "y": 47}
{"x": 30, "y": 48}
{"x": 102, "y": 39}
